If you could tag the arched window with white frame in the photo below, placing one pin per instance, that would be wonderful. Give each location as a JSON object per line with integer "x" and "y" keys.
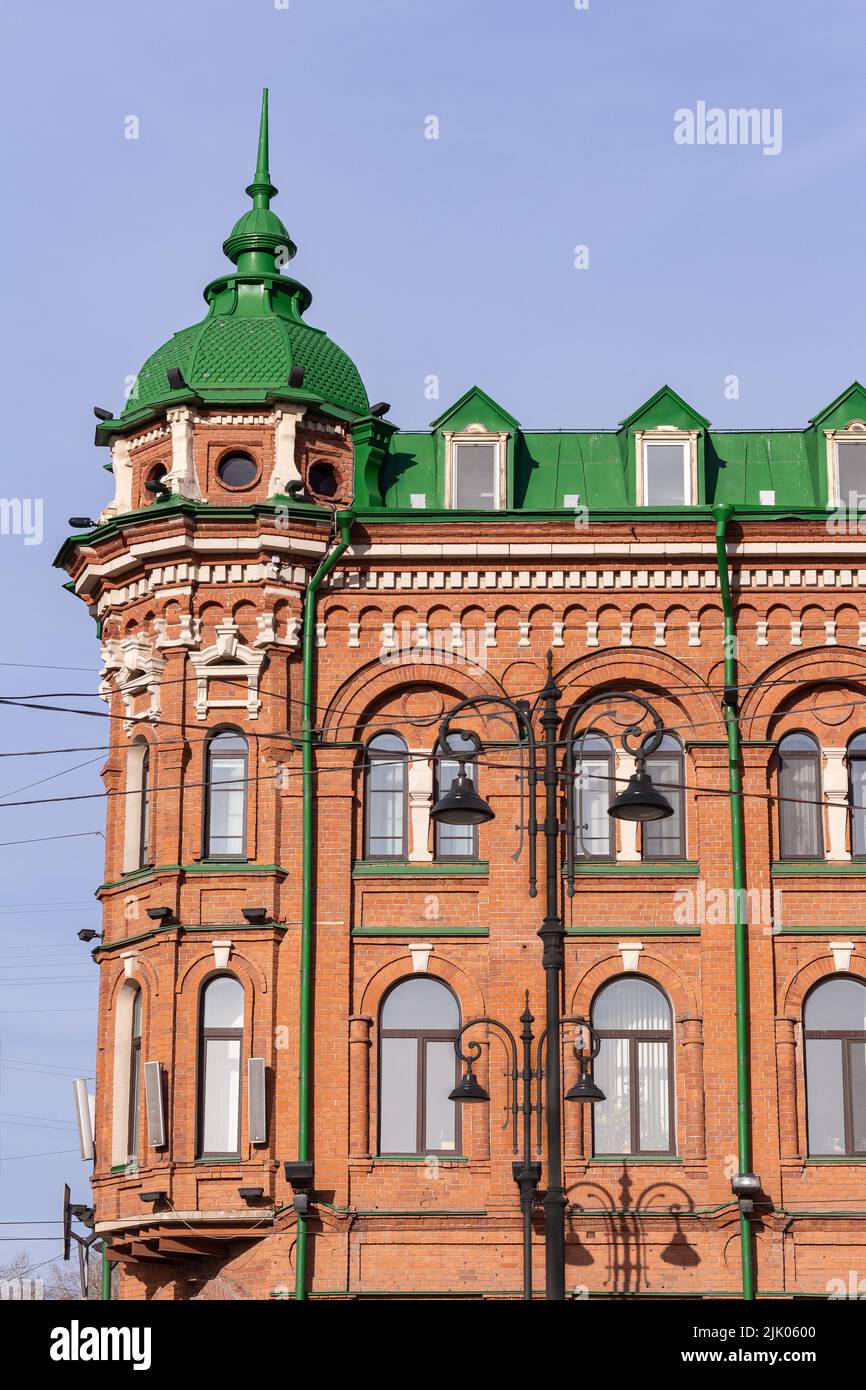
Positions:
{"x": 221, "y": 1033}
{"x": 225, "y": 829}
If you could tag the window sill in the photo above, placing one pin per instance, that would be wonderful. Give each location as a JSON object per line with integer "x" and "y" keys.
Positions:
{"x": 430, "y": 930}
{"x": 232, "y": 866}
{"x": 792, "y": 868}
{"x": 609, "y": 1160}
{"x": 818, "y": 1160}
{"x": 677, "y": 868}
{"x": 405, "y": 868}
{"x": 421, "y": 1159}
{"x": 652, "y": 930}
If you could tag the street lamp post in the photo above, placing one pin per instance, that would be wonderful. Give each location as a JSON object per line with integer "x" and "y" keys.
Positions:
{"x": 640, "y": 801}
{"x": 526, "y": 1170}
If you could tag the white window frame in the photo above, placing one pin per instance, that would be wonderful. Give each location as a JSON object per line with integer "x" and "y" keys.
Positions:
{"x": 667, "y": 435}
{"x": 476, "y": 434}
{"x": 853, "y": 433}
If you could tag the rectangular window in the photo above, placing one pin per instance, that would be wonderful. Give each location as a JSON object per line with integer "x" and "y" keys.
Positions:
{"x": 221, "y": 1117}
{"x": 226, "y": 828}
{"x": 593, "y": 828}
{"x": 612, "y": 1120}
{"x": 665, "y": 839}
{"x": 454, "y": 841}
{"x": 473, "y": 476}
{"x": 666, "y": 474}
{"x": 398, "y": 1102}
{"x": 851, "y": 473}
{"x": 439, "y": 1079}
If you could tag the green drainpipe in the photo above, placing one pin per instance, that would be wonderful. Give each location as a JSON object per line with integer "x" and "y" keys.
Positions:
{"x": 722, "y": 515}
{"x": 344, "y": 521}
{"x": 105, "y": 1286}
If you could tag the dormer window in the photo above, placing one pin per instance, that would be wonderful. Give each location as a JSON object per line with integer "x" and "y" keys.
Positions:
{"x": 475, "y": 470}
{"x": 846, "y": 466}
{"x": 666, "y": 468}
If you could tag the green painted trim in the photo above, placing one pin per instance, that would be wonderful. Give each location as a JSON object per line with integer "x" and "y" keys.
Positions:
{"x": 818, "y": 1160}
{"x": 661, "y": 1160}
{"x": 823, "y": 930}
{"x": 806, "y": 868}
{"x": 183, "y": 930}
{"x": 420, "y": 931}
{"x": 654, "y": 930}
{"x": 218, "y": 1162}
{"x": 401, "y": 868}
{"x": 647, "y": 868}
{"x": 422, "y": 1159}
{"x": 221, "y": 866}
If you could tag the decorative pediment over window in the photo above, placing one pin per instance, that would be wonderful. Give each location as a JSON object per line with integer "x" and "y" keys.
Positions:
{"x": 228, "y": 662}
{"x": 135, "y": 668}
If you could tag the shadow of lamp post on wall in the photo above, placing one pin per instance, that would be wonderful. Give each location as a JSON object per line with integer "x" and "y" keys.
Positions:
{"x": 461, "y": 804}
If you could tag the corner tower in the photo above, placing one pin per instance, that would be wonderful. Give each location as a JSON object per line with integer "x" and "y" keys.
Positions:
{"x": 229, "y": 459}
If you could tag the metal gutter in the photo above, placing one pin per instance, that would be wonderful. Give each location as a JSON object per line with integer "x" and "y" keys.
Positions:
{"x": 344, "y": 521}
{"x": 722, "y": 515}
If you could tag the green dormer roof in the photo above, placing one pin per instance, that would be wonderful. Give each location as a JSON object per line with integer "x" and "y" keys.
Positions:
{"x": 254, "y": 332}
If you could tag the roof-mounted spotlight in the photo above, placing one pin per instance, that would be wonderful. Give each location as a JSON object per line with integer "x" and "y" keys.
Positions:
{"x": 81, "y": 523}
{"x": 296, "y": 376}
{"x": 88, "y": 934}
{"x": 101, "y": 413}
{"x": 251, "y": 1194}
{"x": 159, "y": 1195}
{"x": 299, "y": 1176}
{"x": 175, "y": 379}
{"x": 380, "y": 408}
{"x": 255, "y": 914}
{"x": 160, "y": 914}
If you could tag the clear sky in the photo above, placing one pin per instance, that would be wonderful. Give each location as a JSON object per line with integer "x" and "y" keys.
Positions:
{"x": 451, "y": 257}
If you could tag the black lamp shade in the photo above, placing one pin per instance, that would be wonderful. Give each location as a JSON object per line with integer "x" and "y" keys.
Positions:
{"x": 469, "y": 1088}
{"x": 461, "y": 804}
{"x": 640, "y": 801}
{"x": 585, "y": 1089}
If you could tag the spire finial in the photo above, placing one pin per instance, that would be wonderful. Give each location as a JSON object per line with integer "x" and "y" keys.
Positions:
{"x": 261, "y": 190}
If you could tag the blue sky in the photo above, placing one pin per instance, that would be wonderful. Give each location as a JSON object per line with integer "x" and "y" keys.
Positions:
{"x": 451, "y": 257}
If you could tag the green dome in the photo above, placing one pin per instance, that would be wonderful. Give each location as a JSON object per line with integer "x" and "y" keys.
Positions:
{"x": 254, "y": 333}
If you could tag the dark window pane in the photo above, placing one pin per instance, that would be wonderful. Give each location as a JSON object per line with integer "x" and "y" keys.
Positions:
{"x": 454, "y": 841}
{"x": 134, "y": 1108}
{"x": 440, "y": 1114}
{"x": 654, "y": 1099}
{"x": 665, "y": 475}
{"x": 386, "y": 797}
{"x": 852, "y": 473}
{"x": 825, "y": 1108}
{"x": 136, "y": 1015}
{"x": 474, "y": 476}
{"x": 237, "y": 470}
{"x": 398, "y": 1110}
{"x": 418, "y": 1004}
{"x": 612, "y": 1116}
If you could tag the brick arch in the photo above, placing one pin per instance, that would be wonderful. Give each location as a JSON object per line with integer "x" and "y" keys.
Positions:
{"x": 466, "y": 988}
{"x": 800, "y": 981}
{"x": 641, "y": 669}
{"x": 372, "y": 681}
{"x": 768, "y": 697}
{"x": 144, "y": 974}
{"x": 249, "y": 974}
{"x": 653, "y": 968}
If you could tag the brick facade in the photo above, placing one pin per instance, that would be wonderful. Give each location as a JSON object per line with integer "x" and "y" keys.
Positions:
{"x": 412, "y": 620}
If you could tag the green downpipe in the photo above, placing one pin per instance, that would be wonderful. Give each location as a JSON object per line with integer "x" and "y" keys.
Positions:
{"x": 344, "y": 521}
{"x": 722, "y": 515}
{"x": 105, "y": 1284}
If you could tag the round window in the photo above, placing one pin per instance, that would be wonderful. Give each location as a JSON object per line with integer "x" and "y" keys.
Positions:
{"x": 323, "y": 480}
{"x": 237, "y": 470}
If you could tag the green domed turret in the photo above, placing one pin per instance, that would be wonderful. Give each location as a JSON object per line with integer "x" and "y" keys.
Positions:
{"x": 254, "y": 334}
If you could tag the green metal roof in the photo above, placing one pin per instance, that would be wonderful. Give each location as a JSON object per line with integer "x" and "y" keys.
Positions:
{"x": 254, "y": 332}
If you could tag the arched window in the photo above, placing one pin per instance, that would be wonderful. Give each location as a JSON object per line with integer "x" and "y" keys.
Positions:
{"x": 454, "y": 841}
{"x": 594, "y": 829}
{"x": 834, "y": 1024}
{"x": 666, "y": 839}
{"x": 857, "y": 794}
{"x": 800, "y": 819}
{"x": 226, "y": 796}
{"x": 634, "y": 1068}
{"x": 134, "y": 1079}
{"x": 136, "y": 837}
{"x": 418, "y": 1023}
{"x": 385, "y": 820}
{"x": 221, "y": 1034}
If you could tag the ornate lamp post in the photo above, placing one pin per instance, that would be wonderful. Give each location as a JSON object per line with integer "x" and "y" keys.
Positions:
{"x": 640, "y": 801}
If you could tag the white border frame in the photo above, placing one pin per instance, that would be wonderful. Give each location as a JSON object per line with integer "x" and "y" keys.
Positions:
{"x": 477, "y": 434}
{"x": 853, "y": 433}
{"x": 667, "y": 435}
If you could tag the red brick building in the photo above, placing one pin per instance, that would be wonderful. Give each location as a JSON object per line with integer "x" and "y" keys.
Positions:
{"x": 290, "y": 593}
